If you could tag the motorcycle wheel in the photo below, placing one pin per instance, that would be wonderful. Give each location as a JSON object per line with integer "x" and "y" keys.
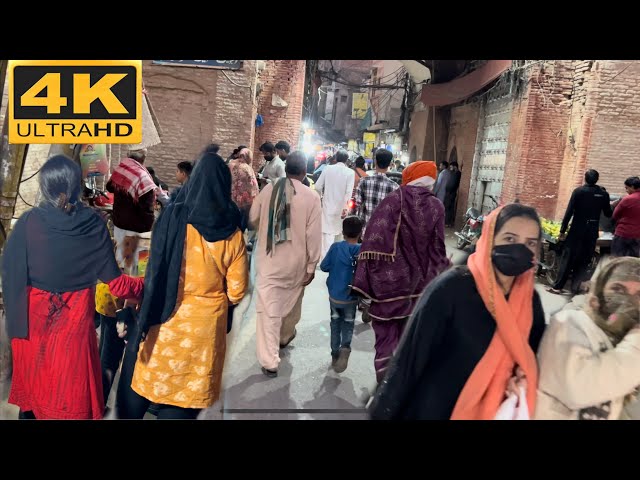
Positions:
{"x": 553, "y": 265}
{"x": 460, "y": 243}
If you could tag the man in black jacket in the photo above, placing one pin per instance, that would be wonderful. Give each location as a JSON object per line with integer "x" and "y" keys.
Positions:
{"x": 451, "y": 193}
{"x": 585, "y": 206}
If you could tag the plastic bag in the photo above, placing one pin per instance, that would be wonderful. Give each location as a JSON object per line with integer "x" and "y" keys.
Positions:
{"x": 515, "y": 407}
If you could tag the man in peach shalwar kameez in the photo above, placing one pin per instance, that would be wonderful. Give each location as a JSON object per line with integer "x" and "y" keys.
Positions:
{"x": 288, "y": 218}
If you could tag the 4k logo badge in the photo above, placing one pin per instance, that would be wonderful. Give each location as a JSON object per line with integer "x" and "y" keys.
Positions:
{"x": 75, "y": 101}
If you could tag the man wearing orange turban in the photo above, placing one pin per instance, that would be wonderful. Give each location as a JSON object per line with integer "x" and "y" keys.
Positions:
{"x": 402, "y": 251}
{"x": 419, "y": 170}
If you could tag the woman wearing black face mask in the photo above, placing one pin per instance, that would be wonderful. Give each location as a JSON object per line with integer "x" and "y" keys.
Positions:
{"x": 474, "y": 332}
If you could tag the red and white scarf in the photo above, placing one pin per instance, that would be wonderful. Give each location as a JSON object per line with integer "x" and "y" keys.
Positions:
{"x": 133, "y": 178}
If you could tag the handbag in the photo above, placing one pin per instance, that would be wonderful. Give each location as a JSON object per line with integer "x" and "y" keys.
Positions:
{"x": 515, "y": 407}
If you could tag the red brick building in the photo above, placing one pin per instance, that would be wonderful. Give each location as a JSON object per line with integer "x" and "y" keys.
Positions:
{"x": 281, "y": 79}
{"x": 532, "y": 133}
{"x": 196, "y": 106}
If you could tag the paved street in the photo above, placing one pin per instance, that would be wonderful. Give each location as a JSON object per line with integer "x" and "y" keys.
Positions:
{"x": 306, "y": 387}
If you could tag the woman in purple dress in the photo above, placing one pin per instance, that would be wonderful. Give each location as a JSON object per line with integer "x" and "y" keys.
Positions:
{"x": 402, "y": 251}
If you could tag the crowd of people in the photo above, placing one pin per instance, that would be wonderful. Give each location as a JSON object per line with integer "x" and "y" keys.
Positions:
{"x": 451, "y": 342}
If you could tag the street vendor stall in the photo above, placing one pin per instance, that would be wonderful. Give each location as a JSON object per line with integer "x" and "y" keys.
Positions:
{"x": 551, "y": 250}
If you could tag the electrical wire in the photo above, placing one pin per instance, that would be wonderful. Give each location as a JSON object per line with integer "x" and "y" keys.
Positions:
{"x": 29, "y": 178}
{"x": 392, "y": 73}
{"x": 236, "y": 84}
{"x": 386, "y": 97}
{"x": 23, "y": 200}
{"x": 374, "y": 87}
{"x": 397, "y": 73}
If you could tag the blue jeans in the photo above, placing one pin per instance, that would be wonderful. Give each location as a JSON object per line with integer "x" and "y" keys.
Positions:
{"x": 342, "y": 321}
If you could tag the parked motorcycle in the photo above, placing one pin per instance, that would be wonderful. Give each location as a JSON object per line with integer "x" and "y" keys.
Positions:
{"x": 99, "y": 200}
{"x": 351, "y": 206}
{"x": 472, "y": 227}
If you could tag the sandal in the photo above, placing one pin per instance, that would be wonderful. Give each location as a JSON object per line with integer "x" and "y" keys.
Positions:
{"x": 554, "y": 291}
{"x": 284, "y": 345}
{"x": 270, "y": 373}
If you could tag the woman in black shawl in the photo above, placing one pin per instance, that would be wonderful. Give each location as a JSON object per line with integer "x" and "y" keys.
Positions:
{"x": 51, "y": 263}
{"x": 197, "y": 268}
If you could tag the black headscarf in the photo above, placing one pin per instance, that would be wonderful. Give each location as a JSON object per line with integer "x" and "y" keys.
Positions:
{"x": 204, "y": 202}
{"x": 57, "y": 252}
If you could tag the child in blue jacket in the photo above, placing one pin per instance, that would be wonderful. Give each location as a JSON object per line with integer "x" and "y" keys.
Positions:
{"x": 340, "y": 262}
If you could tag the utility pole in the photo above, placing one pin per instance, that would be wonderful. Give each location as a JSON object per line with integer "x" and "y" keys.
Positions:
{"x": 12, "y": 159}
{"x": 11, "y": 165}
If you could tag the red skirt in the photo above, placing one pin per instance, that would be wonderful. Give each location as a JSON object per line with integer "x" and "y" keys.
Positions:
{"x": 56, "y": 369}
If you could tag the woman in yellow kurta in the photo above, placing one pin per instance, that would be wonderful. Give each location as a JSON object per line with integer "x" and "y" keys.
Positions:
{"x": 184, "y": 314}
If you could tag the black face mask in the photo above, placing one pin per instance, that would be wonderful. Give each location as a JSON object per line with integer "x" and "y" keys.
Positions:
{"x": 512, "y": 260}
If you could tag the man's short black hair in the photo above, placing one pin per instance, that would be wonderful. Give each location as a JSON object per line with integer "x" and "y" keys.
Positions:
{"x": 591, "y": 177}
{"x": 282, "y": 145}
{"x": 360, "y": 162}
{"x": 352, "y": 226}
{"x": 342, "y": 156}
{"x": 186, "y": 167}
{"x": 267, "y": 147}
{"x": 633, "y": 182}
{"x": 383, "y": 158}
{"x": 454, "y": 164}
{"x": 444, "y": 164}
{"x": 296, "y": 164}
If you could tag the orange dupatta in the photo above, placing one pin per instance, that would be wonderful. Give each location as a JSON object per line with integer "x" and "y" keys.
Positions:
{"x": 485, "y": 389}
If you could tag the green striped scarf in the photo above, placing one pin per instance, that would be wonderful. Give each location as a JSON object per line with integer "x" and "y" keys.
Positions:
{"x": 280, "y": 213}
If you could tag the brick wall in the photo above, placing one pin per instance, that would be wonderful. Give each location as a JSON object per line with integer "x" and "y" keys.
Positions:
{"x": 197, "y": 106}
{"x": 614, "y": 144}
{"x": 463, "y": 130}
{"x": 575, "y": 115}
{"x": 537, "y": 138}
{"x": 284, "y": 78}
{"x": 568, "y": 116}
{"x": 579, "y": 122}
{"x": 603, "y": 125}
{"x": 418, "y": 132}
{"x": 440, "y": 135}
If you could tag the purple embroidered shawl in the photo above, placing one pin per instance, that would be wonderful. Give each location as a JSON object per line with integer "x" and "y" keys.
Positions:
{"x": 402, "y": 251}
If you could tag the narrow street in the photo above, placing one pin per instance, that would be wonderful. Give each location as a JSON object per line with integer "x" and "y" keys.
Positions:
{"x": 306, "y": 387}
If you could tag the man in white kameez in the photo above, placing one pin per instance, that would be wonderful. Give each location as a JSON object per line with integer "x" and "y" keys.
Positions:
{"x": 336, "y": 187}
{"x": 287, "y": 216}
